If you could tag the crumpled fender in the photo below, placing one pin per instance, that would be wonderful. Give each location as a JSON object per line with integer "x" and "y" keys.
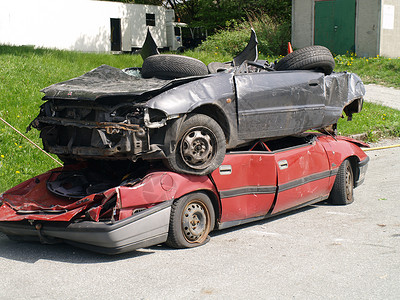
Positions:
{"x": 160, "y": 186}
{"x": 185, "y": 98}
{"x": 31, "y": 200}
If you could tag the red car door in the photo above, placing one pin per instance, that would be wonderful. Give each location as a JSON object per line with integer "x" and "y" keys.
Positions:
{"x": 246, "y": 182}
{"x": 303, "y": 175}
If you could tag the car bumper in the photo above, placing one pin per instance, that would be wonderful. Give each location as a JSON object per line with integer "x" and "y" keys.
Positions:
{"x": 362, "y": 167}
{"x": 147, "y": 228}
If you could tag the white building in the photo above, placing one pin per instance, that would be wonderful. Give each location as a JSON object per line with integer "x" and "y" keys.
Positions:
{"x": 86, "y": 25}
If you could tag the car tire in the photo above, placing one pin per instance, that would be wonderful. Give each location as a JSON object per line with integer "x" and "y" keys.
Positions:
{"x": 308, "y": 58}
{"x": 200, "y": 146}
{"x": 192, "y": 219}
{"x": 342, "y": 191}
{"x": 170, "y": 66}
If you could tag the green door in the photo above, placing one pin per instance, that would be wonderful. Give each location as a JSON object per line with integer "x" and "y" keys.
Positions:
{"x": 334, "y": 25}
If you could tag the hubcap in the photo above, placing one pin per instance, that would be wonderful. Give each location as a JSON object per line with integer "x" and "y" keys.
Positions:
{"x": 195, "y": 222}
{"x": 198, "y": 147}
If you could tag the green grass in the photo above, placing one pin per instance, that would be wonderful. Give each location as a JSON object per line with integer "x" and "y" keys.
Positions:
{"x": 378, "y": 70}
{"x": 375, "y": 120}
{"x": 25, "y": 71}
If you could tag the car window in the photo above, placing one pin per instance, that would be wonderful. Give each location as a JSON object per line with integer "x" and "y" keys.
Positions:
{"x": 277, "y": 144}
{"x": 290, "y": 142}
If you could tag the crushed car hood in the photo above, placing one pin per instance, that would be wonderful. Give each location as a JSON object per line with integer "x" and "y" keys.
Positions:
{"x": 107, "y": 81}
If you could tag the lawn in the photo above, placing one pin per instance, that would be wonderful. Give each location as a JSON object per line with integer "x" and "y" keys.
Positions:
{"x": 25, "y": 71}
{"x": 378, "y": 70}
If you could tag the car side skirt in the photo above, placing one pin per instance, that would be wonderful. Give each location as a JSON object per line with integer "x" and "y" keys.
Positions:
{"x": 229, "y": 224}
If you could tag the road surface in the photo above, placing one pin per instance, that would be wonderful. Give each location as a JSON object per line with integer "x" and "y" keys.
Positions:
{"x": 320, "y": 252}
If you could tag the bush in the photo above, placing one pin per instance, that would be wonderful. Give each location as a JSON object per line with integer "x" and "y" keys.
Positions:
{"x": 272, "y": 37}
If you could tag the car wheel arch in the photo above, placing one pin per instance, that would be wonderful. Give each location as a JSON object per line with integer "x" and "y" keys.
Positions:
{"x": 215, "y": 112}
{"x": 203, "y": 185}
{"x": 214, "y": 200}
{"x": 354, "y": 160}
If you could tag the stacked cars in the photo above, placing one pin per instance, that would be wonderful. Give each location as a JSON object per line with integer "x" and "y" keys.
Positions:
{"x": 170, "y": 151}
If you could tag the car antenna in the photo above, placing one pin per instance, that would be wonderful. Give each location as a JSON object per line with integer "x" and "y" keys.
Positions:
{"x": 30, "y": 141}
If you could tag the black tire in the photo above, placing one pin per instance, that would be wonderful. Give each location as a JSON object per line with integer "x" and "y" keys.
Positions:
{"x": 308, "y": 58}
{"x": 170, "y": 66}
{"x": 192, "y": 219}
{"x": 342, "y": 191}
{"x": 200, "y": 146}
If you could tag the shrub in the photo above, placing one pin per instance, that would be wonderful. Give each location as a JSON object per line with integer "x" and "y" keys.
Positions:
{"x": 272, "y": 37}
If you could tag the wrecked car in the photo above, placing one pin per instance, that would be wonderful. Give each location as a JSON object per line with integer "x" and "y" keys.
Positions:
{"x": 113, "y": 207}
{"x": 178, "y": 110}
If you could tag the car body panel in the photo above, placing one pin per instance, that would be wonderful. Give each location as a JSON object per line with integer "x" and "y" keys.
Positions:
{"x": 303, "y": 175}
{"x": 214, "y": 89}
{"x": 279, "y": 103}
{"x": 247, "y": 185}
{"x": 267, "y": 179}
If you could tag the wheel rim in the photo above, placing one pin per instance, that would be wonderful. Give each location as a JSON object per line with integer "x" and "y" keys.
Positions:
{"x": 198, "y": 147}
{"x": 349, "y": 184}
{"x": 195, "y": 222}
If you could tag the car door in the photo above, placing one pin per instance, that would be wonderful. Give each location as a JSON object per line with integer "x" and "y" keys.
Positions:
{"x": 246, "y": 182}
{"x": 303, "y": 175}
{"x": 278, "y": 103}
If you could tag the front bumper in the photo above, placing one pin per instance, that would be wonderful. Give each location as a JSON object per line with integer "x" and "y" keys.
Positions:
{"x": 362, "y": 167}
{"x": 147, "y": 228}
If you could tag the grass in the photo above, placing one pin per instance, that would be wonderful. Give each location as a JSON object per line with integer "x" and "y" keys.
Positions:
{"x": 25, "y": 71}
{"x": 378, "y": 70}
{"x": 375, "y": 120}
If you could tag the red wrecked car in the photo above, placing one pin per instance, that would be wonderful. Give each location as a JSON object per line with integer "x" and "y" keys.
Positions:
{"x": 113, "y": 207}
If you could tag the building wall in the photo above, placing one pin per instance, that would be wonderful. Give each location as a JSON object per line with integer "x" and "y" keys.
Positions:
{"x": 375, "y": 33}
{"x": 390, "y": 28}
{"x": 302, "y": 23}
{"x": 82, "y": 25}
{"x": 367, "y": 27}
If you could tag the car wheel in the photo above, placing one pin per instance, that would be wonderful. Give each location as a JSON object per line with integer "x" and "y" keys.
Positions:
{"x": 200, "y": 147}
{"x": 170, "y": 66}
{"x": 342, "y": 191}
{"x": 192, "y": 219}
{"x": 312, "y": 57}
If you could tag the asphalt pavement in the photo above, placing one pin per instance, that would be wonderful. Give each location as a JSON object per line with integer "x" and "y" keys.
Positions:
{"x": 387, "y": 96}
{"x": 318, "y": 252}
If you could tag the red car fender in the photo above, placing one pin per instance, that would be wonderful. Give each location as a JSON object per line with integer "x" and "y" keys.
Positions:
{"x": 340, "y": 148}
{"x": 158, "y": 187}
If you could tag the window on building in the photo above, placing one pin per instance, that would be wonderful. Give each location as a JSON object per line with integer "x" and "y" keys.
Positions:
{"x": 150, "y": 20}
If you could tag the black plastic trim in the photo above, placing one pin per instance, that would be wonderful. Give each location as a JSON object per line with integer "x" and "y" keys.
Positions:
{"x": 247, "y": 190}
{"x": 307, "y": 179}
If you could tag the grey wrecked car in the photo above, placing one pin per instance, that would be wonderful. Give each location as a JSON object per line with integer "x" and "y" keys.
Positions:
{"x": 178, "y": 110}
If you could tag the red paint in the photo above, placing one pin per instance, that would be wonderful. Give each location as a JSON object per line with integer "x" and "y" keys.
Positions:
{"x": 302, "y": 164}
{"x": 249, "y": 170}
{"x": 246, "y": 189}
